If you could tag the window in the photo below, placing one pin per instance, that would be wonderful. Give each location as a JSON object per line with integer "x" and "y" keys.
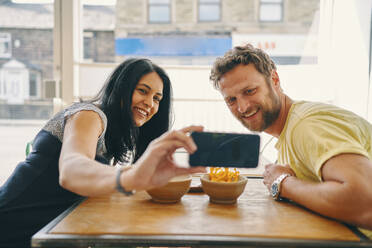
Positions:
{"x": 2, "y": 86}
{"x": 5, "y": 45}
{"x": 271, "y": 10}
{"x": 26, "y": 47}
{"x": 88, "y": 46}
{"x": 209, "y": 10}
{"x": 98, "y": 24}
{"x": 159, "y": 11}
{"x": 33, "y": 84}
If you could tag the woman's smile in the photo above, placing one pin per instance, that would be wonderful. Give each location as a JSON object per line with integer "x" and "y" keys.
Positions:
{"x": 141, "y": 112}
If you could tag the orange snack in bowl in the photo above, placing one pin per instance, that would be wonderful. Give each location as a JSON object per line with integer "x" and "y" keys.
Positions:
{"x": 217, "y": 174}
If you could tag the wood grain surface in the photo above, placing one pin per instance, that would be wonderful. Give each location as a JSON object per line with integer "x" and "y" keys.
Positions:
{"x": 254, "y": 215}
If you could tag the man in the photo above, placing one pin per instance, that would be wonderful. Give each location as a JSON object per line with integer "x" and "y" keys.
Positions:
{"x": 324, "y": 152}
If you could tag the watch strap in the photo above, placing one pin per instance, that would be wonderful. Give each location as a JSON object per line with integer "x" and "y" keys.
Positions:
{"x": 278, "y": 181}
{"x": 119, "y": 187}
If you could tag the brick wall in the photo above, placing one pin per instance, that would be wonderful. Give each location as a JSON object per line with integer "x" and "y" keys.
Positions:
{"x": 237, "y": 16}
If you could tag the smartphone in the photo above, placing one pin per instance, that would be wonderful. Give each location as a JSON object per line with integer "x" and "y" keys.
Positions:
{"x": 225, "y": 150}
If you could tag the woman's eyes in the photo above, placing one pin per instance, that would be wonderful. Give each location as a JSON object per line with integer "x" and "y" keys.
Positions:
{"x": 145, "y": 92}
{"x": 142, "y": 90}
{"x": 157, "y": 99}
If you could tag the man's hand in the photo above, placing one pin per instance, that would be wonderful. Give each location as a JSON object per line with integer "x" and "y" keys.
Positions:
{"x": 273, "y": 171}
{"x": 344, "y": 193}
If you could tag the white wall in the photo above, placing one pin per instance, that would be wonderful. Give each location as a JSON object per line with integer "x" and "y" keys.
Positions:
{"x": 92, "y": 77}
{"x": 344, "y": 38}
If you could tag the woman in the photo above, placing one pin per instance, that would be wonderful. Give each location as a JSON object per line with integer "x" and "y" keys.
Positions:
{"x": 127, "y": 121}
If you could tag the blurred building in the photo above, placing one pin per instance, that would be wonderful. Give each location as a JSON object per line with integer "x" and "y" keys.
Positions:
{"x": 197, "y": 31}
{"x": 26, "y": 54}
{"x": 172, "y": 32}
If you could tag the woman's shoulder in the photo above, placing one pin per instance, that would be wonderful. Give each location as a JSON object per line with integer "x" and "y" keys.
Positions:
{"x": 79, "y": 106}
{"x": 85, "y": 106}
{"x": 56, "y": 124}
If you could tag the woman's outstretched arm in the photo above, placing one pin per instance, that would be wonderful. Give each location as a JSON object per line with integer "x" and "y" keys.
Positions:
{"x": 81, "y": 174}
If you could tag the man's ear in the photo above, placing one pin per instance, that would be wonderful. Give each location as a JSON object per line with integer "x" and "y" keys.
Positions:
{"x": 275, "y": 77}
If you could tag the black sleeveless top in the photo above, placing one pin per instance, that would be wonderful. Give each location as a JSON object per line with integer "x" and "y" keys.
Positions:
{"x": 32, "y": 196}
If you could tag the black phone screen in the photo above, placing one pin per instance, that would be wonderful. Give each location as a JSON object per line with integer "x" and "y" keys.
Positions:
{"x": 225, "y": 150}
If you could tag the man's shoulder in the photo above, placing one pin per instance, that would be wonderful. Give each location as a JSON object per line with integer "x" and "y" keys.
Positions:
{"x": 307, "y": 116}
{"x": 305, "y": 108}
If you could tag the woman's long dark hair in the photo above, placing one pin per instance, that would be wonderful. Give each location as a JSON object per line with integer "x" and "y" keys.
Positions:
{"x": 115, "y": 100}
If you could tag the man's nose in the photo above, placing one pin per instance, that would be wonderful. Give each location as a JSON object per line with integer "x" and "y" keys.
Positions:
{"x": 243, "y": 105}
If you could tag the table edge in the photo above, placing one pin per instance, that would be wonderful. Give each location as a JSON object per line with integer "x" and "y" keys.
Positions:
{"x": 63, "y": 240}
{"x": 43, "y": 239}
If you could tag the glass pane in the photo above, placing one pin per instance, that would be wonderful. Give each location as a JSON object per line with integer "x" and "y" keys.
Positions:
{"x": 209, "y": 1}
{"x": 33, "y": 85}
{"x": 33, "y": 1}
{"x": 122, "y": 30}
{"x": 26, "y": 65}
{"x": 195, "y": 46}
{"x": 99, "y": 32}
{"x": 270, "y": 12}
{"x": 159, "y": 14}
{"x": 99, "y": 2}
{"x": 5, "y": 45}
{"x": 158, "y": 1}
{"x": 88, "y": 47}
{"x": 271, "y": 1}
{"x": 26, "y": 59}
{"x": 209, "y": 13}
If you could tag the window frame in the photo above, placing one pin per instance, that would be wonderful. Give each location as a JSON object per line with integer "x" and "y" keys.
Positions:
{"x": 6, "y": 39}
{"x": 33, "y": 75}
{"x": 88, "y": 35}
{"x": 149, "y": 5}
{"x": 271, "y": 2}
{"x": 219, "y": 4}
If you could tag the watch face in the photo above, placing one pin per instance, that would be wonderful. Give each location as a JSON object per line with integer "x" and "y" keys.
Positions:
{"x": 274, "y": 190}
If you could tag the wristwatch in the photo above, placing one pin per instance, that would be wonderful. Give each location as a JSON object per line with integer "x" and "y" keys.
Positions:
{"x": 276, "y": 186}
{"x": 120, "y": 188}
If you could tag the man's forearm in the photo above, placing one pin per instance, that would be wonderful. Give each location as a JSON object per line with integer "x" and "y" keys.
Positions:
{"x": 333, "y": 199}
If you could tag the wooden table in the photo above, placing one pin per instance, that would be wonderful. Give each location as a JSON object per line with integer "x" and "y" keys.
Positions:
{"x": 255, "y": 221}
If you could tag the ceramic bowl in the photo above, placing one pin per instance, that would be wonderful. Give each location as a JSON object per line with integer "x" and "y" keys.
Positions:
{"x": 223, "y": 192}
{"x": 171, "y": 192}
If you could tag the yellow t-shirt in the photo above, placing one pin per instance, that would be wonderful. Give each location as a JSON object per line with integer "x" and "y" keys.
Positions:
{"x": 315, "y": 132}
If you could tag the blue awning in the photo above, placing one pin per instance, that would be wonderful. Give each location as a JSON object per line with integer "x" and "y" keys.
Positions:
{"x": 173, "y": 46}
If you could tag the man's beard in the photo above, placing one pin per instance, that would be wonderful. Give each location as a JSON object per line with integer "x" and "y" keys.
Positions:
{"x": 269, "y": 116}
